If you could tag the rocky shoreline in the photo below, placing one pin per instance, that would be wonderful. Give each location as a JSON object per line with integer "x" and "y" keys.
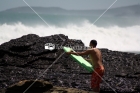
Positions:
{"x": 25, "y": 58}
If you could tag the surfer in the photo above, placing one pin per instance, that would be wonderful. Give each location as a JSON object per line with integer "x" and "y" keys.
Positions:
{"x": 96, "y": 62}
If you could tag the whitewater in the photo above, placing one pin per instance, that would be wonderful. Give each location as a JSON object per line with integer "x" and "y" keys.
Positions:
{"x": 112, "y": 37}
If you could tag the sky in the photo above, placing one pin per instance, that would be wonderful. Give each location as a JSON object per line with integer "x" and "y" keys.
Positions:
{"x": 67, "y": 4}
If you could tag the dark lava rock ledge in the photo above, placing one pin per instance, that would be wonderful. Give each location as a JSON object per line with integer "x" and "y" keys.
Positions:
{"x": 26, "y": 58}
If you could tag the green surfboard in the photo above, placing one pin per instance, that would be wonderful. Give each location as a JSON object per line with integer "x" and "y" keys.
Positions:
{"x": 80, "y": 60}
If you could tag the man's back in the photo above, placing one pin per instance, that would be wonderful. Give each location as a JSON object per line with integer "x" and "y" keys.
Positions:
{"x": 96, "y": 57}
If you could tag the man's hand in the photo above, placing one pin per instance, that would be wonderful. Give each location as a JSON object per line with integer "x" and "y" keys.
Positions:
{"x": 69, "y": 52}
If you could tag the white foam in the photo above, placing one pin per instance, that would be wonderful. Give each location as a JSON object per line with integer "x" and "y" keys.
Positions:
{"x": 114, "y": 38}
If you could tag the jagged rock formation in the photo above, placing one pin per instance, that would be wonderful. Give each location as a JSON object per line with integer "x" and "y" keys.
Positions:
{"x": 26, "y": 58}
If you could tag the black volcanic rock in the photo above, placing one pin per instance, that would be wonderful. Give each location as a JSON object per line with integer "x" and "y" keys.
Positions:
{"x": 40, "y": 86}
{"x": 26, "y": 58}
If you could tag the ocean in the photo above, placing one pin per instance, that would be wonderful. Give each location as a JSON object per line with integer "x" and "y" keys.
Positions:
{"x": 112, "y": 32}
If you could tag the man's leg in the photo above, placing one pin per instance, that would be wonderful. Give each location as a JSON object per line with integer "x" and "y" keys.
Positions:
{"x": 95, "y": 83}
{"x": 96, "y": 79}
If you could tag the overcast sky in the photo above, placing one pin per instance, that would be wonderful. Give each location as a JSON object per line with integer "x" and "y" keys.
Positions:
{"x": 67, "y": 4}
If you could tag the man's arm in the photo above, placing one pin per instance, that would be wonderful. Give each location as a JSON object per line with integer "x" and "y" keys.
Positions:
{"x": 87, "y": 52}
{"x": 89, "y": 60}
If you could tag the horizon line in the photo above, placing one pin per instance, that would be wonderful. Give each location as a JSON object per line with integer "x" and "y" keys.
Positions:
{"x": 69, "y": 9}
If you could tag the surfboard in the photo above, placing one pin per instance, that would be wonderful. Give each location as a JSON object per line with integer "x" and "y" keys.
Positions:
{"x": 79, "y": 59}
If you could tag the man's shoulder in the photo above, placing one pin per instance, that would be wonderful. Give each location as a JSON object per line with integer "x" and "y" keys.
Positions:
{"x": 94, "y": 50}
{"x": 91, "y": 49}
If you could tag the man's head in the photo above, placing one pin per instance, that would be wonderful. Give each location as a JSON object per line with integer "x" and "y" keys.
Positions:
{"x": 93, "y": 43}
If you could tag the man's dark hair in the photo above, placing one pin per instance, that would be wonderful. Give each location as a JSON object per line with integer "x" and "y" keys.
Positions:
{"x": 94, "y": 42}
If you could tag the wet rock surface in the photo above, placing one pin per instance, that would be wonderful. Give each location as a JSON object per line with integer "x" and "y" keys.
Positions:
{"x": 26, "y": 58}
{"x": 40, "y": 86}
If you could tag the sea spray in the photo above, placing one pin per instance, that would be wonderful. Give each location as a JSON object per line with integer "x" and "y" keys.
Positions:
{"x": 114, "y": 37}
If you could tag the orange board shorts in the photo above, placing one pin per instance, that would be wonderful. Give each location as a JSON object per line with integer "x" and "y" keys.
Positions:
{"x": 96, "y": 77}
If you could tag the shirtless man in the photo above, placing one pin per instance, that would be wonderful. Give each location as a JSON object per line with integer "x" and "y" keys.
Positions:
{"x": 96, "y": 62}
